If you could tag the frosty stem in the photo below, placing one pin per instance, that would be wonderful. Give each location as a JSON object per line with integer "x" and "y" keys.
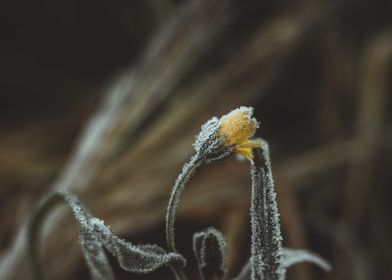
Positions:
{"x": 187, "y": 171}
{"x": 266, "y": 259}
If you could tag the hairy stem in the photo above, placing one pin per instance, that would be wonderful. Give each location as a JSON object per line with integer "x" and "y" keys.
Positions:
{"x": 187, "y": 171}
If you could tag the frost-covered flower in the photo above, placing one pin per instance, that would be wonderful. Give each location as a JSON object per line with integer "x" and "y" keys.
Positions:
{"x": 237, "y": 128}
{"x": 232, "y": 133}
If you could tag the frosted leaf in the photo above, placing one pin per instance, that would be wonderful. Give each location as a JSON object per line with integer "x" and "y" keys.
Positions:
{"x": 292, "y": 256}
{"x": 93, "y": 252}
{"x": 266, "y": 260}
{"x": 132, "y": 258}
{"x": 141, "y": 259}
{"x": 95, "y": 236}
{"x": 210, "y": 249}
{"x": 96, "y": 258}
{"x": 92, "y": 249}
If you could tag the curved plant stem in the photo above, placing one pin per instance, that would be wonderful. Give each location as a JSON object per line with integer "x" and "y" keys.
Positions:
{"x": 187, "y": 171}
{"x": 34, "y": 227}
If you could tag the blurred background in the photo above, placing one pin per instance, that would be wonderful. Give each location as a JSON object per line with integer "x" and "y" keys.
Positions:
{"x": 105, "y": 97}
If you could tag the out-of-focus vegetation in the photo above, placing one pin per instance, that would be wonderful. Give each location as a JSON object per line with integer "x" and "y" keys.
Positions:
{"x": 143, "y": 76}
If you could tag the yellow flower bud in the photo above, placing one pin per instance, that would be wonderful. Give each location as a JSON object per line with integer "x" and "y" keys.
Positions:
{"x": 236, "y": 128}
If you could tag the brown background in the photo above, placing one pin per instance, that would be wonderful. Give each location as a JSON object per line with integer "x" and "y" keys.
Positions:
{"x": 316, "y": 72}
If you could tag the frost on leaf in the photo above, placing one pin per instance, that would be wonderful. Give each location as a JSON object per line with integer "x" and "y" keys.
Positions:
{"x": 266, "y": 250}
{"x": 95, "y": 236}
{"x": 90, "y": 242}
{"x": 268, "y": 260}
{"x": 210, "y": 249}
{"x": 292, "y": 256}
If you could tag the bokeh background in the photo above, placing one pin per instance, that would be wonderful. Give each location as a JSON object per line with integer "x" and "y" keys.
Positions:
{"x": 105, "y": 97}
